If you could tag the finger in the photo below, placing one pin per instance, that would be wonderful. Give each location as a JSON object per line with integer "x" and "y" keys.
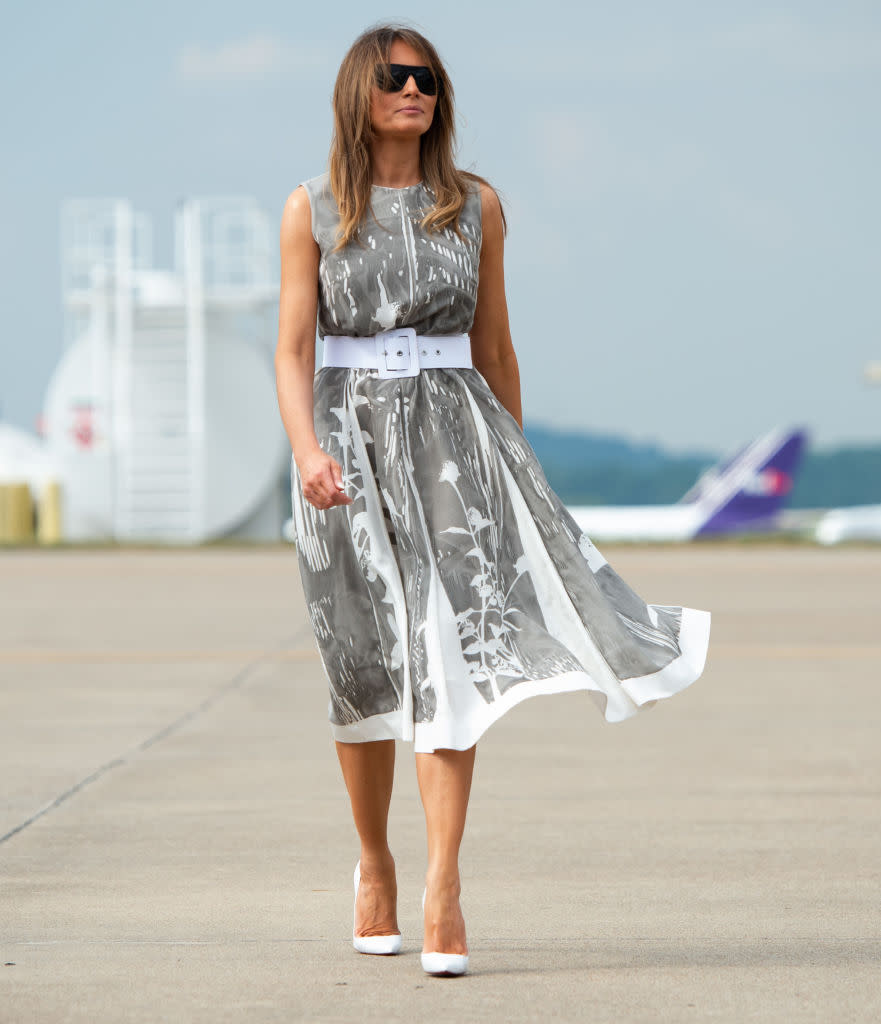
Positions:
{"x": 319, "y": 489}
{"x": 317, "y": 497}
{"x": 327, "y": 498}
{"x": 336, "y": 475}
{"x": 329, "y": 489}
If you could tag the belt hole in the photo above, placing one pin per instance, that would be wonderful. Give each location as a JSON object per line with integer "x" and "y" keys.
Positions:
{"x": 425, "y": 351}
{"x": 437, "y": 351}
{"x": 400, "y": 353}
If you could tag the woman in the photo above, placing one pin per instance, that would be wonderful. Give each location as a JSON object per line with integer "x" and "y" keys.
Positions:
{"x": 445, "y": 581}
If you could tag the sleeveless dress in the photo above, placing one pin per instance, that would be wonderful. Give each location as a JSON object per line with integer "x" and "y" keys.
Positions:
{"x": 456, "y": 584}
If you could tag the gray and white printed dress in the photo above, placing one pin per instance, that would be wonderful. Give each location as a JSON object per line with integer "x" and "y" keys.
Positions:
{"x": 456, "y": 584}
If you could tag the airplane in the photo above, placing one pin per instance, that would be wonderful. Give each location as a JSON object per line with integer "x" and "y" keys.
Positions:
{"x": 855, "y": 522}
{"x": 743, "y": 493}
{"x": 858, "y": 522}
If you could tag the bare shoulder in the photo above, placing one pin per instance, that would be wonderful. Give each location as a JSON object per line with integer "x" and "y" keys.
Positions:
{"x": 298, "y": 199}
{"x": 491, "y": 205}
{"x": 296, "y": 218}
{"x": 492, "y": 218}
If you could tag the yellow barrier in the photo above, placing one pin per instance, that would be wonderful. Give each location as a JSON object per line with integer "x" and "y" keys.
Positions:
{"x": 49, "y": 514}
{"x": 16, "y": 514}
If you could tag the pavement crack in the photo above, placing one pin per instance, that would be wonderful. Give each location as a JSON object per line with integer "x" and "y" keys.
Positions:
{"x": 233, "y": 684}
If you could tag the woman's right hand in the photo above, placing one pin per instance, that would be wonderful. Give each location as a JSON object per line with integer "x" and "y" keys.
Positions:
{"x": 322, "y": 480}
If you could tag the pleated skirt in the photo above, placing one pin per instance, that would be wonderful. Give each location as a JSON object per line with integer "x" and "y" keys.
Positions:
{"x": 457, "y": 584}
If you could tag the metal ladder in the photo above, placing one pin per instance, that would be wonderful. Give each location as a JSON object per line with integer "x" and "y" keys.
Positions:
{"x": 158, "y": 454}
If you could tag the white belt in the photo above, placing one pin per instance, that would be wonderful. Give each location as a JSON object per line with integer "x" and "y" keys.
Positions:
{"x": 398, "y": 353}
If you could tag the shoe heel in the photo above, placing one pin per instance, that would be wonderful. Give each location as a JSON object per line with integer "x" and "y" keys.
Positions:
{"x": 443, "y": 965}
{"x": 377, "y": 945}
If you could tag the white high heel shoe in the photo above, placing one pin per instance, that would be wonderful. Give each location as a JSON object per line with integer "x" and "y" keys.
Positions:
{"x": 443, "y": 964}
{"x": 381, "y": 945}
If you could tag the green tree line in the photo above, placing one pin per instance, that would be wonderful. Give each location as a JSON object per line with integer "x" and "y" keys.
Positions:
{"x": 588, "y": 470}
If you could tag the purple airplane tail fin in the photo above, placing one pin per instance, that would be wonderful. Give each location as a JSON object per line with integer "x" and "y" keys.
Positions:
{"x": 748, "y": 490}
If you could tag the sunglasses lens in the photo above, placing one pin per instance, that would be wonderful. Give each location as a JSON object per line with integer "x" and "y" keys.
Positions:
{"x": 393, "y": 78}
{"x": 398, "y": 76}
{"x": 425, "y": 82}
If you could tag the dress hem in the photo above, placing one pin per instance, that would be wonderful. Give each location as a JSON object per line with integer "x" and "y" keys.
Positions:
{"x": 643, "y": 692}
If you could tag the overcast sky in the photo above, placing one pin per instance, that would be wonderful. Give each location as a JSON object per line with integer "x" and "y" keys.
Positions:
{"x": 692, "y": 188}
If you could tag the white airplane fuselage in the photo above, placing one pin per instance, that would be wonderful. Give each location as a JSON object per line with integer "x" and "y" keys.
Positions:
{"x": 859, "y": 522}
{"x": 639, "y": 522}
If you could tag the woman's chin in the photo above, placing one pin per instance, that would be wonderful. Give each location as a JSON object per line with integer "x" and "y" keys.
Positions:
{"x": 410, "y": 129}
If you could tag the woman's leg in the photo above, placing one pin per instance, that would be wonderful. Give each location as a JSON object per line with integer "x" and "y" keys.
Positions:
{"x": 445, "y": 785}
{"x": 369, "y": 771}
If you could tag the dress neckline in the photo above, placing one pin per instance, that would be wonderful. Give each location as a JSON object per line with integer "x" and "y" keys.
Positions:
{"x": 392, "y": 188}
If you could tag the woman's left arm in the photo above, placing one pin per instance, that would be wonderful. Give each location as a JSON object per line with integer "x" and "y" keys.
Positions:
{"x": 492, "y": 350}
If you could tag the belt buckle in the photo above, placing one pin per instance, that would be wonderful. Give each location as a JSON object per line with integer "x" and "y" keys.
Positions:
{"x": 397, "y": 353}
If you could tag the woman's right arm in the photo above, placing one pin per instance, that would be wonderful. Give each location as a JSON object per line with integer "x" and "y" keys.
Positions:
{"x": 320, "y": 474}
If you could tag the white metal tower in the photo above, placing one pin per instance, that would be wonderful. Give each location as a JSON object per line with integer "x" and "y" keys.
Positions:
{"x": 149, "y": 332}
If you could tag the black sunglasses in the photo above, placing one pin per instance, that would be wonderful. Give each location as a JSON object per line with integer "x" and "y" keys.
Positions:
{"x": 393, "y": 78}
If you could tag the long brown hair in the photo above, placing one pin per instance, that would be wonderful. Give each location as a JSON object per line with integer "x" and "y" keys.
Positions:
{"x": 351, "y": 172}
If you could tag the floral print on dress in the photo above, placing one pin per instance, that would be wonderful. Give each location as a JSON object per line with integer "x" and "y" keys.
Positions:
{"x": 456, "y": 584}
{"x": 485, "y": 631}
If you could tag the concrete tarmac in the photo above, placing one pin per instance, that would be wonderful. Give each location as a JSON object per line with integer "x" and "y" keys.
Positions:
{"x": 176, "y": 845}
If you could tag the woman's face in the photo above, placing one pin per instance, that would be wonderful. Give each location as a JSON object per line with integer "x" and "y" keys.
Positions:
{"x": 404, "y": 114}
